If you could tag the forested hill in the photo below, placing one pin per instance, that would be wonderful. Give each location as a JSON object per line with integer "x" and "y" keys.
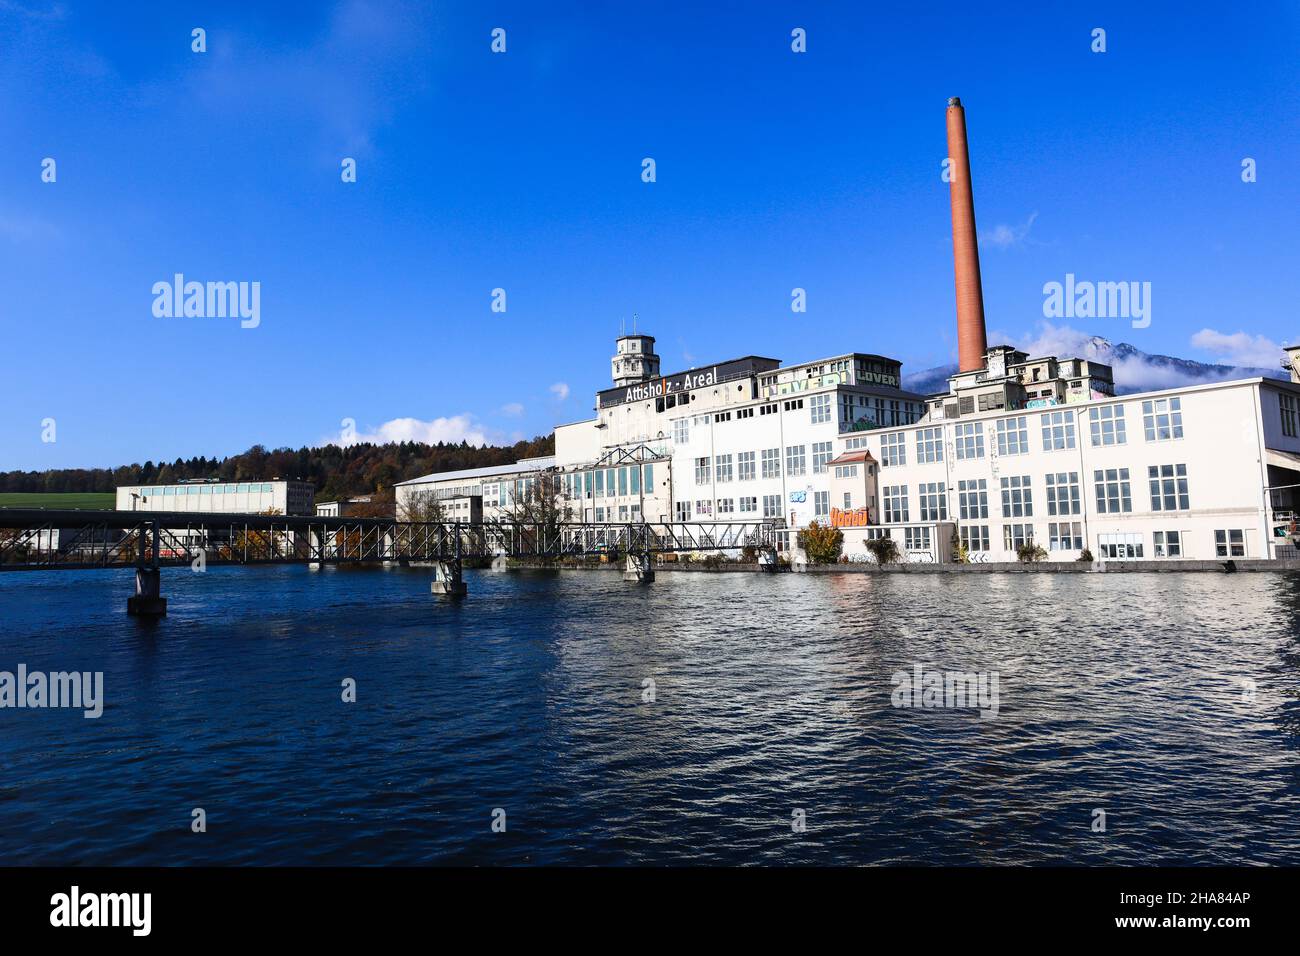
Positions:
{"x": 335, "y": 472}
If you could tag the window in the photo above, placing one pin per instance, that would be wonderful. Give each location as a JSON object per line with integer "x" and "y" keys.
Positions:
{"x": 744, "y": 413}
{"x": 1120, "y": 547}
{"x": 821, "y": 503}
{"x": 1287, "y": 408}
{"x": 975, "y": 537}
{"x": 704, "y": 509}
{"x": 934, "y": 501}
{"x": 726, "y": 506}
{"x": 635, "y": 474}
{"x": 771, "y": 463}
{"x": 895, "y": 503}
{"x": 916, "y": 539}
{"x": 973, "y": 498}
{"x": 1113, "y": 495}
{"x": 1017, "y": 497}
{"x": 1016, "y": 535}
{"x": 794, "y": 460}
{"x": 722, "y": 472}
{"x": 1065, "y": 536}
{"x": 1106, "y": 425}
{"x": 893, "y": 449}
{"x": 622, "y": 512}
{"x": 929, "y": 445}
{"x": 600, "y": 513}
{"x": 600, "y": 483}
{"x": 771, "y": 506}
{"x": 650, "y": 479}
{"x": 1230, "y": 544}
{"x": 748, "y": 504}
{"x": 622, "y": 481}
{"x": 820, "y": 409}
{"x": 1162, "y": 419}
{"x": 1168, "y": 487}
{"x": 702, "y": 471}
{"x": 821, "y": 455}
{"x": 970, "y": 442}
{"x": 1058, "y": 430}
{"x": 794, "y": 405}
{"x": 1063, "y": 493}
{"x": 681, "y": 431}
{"x": 683, "y": 511}
{"x": 1013, "y": 436}
{"x": 745, "y": 463}
{"x": 1169, "y": 544}
{"x": 846, "y": 471}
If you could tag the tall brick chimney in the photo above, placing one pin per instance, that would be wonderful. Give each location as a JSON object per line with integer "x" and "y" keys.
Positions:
{"x": 972, "y": 341}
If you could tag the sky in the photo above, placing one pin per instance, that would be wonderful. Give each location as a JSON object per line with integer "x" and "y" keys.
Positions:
{"x": 523, "y": 171}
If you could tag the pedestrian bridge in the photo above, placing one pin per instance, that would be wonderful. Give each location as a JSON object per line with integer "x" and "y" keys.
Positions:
{"x": 49, "y": 540}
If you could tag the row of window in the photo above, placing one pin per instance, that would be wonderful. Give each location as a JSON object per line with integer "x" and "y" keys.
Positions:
{"x": 721, "y": 468}
{"x": 1162, "y": 420}
{"x": 1167, "y": 486}
{"x": 607, "y": 482}
{"x": 728, "y": 506}
{"x": 819, "y": 411}
{"x": 1068, "y": 536}
{"x": 237, "y": 488}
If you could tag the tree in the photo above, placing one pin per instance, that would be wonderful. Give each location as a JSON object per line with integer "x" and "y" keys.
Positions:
{"x": 822, "y": 544}
{"x": 540, "y": 505}
{"x": 884, "y": 550}
{"x": 421, "y": 507}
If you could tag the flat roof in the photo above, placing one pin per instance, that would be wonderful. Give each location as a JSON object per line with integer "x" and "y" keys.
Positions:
{"x": 519, "y": 467}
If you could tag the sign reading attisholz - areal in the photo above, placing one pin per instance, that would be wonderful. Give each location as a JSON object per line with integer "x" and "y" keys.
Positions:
{"x": 669, "y": 385}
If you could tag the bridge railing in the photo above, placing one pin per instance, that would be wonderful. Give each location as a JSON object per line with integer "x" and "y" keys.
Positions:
{"x": 39, "y": 539}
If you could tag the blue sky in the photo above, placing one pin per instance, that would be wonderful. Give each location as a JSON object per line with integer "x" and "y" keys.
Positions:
{"x": 522, "y": 171}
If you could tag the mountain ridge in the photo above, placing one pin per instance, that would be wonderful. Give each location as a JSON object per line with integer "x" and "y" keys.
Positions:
{"x": 1135, "y": 370}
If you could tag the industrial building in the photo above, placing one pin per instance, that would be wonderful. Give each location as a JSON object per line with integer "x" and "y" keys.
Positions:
{"x": 225, "y": 497}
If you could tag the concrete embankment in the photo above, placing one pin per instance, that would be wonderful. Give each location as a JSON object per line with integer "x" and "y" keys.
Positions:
{"x": 1007, "y": 567}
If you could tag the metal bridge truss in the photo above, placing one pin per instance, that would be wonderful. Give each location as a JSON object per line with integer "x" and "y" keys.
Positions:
{"x": 52, "y": 540}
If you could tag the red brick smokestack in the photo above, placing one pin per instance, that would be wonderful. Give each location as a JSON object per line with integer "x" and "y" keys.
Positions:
{"x": 972, "y": 342}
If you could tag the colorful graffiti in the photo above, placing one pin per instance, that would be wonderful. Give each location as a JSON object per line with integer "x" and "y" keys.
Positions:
{"x": 857, "y": 518}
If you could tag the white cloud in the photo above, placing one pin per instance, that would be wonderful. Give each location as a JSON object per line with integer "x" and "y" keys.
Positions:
{"x": 1132, "y": 370}
{"x": 513, "y": 409}
{"x": 1239, "y": 348}
{"x": 1004, "y": 236}
{"x": 560, "y": 390}
{"x": 456, "y": 429}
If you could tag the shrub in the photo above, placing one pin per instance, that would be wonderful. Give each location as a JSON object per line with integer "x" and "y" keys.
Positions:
{"x": 884, "y": 550}
{"x": 1030, "y": 552}
{"x": 1086, "y": 555}
{"x": 822, "y": 544}
{"x": 960, "y": 553}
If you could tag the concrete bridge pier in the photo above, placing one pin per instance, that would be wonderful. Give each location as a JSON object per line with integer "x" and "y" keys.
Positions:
{"x": 638, "y": 569}
{"x": 447, "y": 579}
{"x": 148, "y": 600}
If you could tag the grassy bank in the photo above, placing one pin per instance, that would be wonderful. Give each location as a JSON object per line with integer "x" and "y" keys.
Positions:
{"x": 88, "y": 501}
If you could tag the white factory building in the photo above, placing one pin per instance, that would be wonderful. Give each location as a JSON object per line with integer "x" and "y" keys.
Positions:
{"x": 1026, "y": 449}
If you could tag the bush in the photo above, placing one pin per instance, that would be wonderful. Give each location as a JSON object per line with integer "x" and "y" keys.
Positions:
{"x": 1086, "y": 555}
{"x": 1030, "y": 552}
{"x": 884, "y": 550}
{"x": 822, "y": 544}
{"x": 960, "y": 553}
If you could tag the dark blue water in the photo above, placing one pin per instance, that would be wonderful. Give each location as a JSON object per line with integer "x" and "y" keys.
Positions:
{"x": 772, "y": 694}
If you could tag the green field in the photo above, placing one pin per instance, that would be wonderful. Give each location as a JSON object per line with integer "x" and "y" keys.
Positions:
{"x": 89, "y": 501}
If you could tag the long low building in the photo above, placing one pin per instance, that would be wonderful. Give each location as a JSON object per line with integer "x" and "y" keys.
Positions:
{"x": 225, "y": 497}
